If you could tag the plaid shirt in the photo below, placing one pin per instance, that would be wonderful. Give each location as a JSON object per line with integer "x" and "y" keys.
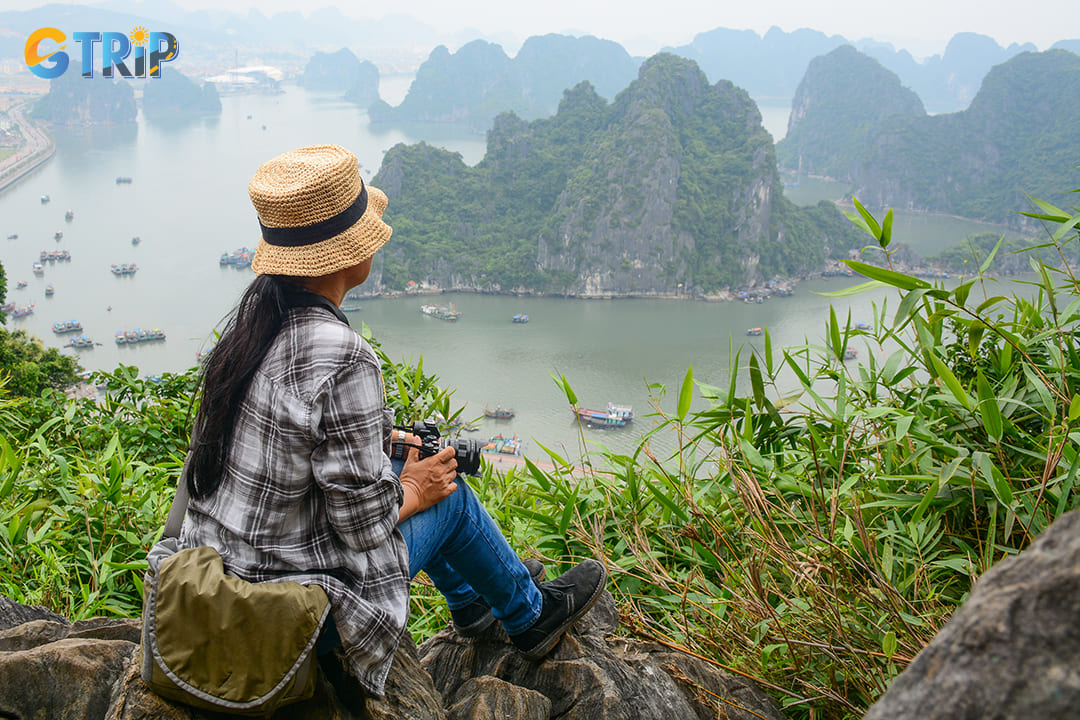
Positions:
{"x": 308, "y": 493}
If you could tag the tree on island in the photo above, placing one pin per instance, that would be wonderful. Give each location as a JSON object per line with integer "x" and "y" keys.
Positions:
{"x": 75, "y": 100}
{"x": 176, "y": 94}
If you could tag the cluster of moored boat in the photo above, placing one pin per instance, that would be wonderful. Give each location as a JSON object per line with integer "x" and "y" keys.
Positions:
{"x": 136, "y": 336}
{"x": 54, "y": 255}
{"x": 15, "y": 311}
{"x": 124, "y": 269}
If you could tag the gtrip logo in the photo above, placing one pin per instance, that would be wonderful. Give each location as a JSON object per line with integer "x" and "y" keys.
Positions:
{"x": 115, "y": 48}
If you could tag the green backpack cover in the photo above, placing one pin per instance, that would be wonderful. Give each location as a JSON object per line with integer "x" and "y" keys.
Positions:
{"x": 216, "y": 642}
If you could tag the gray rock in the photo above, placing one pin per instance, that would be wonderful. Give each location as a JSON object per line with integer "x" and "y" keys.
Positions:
{"x": 590, "y": 676}
{"x": 1012, "y": 651}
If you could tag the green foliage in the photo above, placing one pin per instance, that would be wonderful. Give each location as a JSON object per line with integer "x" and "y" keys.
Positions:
{"x": 30, "y": 367}
{"x": 3, "y": 289}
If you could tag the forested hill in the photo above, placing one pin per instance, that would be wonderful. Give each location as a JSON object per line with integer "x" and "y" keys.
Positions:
{"x": 1020, "y": 137}
{"x": 671, "y": 188}
{"x": 479, "y": 81}
{"x": 838, "y": 109}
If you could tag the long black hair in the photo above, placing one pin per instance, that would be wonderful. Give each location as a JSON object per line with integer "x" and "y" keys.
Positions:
{"x": 227, "y": 373}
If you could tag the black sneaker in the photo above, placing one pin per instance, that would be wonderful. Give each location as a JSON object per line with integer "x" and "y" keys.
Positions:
{"x": 476, "y": 617}
{"x": 566, "y": 599}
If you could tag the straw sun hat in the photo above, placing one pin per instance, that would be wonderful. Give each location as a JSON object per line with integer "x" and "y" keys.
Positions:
{"x": 317, "y": 216}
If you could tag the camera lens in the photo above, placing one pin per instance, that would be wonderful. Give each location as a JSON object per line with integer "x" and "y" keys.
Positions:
{"x": 467, "y": 454}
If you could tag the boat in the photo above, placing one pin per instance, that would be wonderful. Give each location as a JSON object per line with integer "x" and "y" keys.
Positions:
{"x": 440, "y": 312}
{"x": 503, "y": 445}
{"x": 19, "y": 312}
{"x": 44, "y": 199}
{"x": 850, "y": 354}
{"x": 124, "y": 269}
{"x": 351, "y": 308}
{"x": 241, "y": 257}
{"x": 39, "y": 269}
{"x": 69, "y": 215}
{"x": 521, "y": 318}
{"x": 49, "y": 290}
{"x": 20, "y": 285}
{"x": 13, "y": 236}
{"x": 54, "y": 255}
{"x": 80, "y": 342}
{"x": 123, "y": 180}
{"x": 136, "y": 336}
{"x": 59, "y": 234}
{"x": 862, "y": 325}
{"x": 135, "y": 240}
{"x": 499, "y": 413}
{"x": 754, "y": 331}
{"x": 62, "y": 327}
{"x": 610, "y": 417}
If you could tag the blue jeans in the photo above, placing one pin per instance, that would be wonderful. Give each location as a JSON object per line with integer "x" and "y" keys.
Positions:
{"x": 462, "y": 550}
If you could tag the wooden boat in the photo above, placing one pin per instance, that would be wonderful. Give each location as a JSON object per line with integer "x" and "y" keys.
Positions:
{"x": 499, "y": 413}
{"x": 754, "y": 331}
{"x": 613, "y": 416}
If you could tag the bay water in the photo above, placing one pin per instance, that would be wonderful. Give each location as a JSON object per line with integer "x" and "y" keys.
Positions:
{"x": 188, "y": 204}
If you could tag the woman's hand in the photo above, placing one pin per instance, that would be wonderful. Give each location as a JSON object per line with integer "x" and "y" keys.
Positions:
{"x": 427, "y": 481}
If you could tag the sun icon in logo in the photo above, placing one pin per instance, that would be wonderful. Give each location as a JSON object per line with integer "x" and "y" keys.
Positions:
{"x": 138, "y": 35}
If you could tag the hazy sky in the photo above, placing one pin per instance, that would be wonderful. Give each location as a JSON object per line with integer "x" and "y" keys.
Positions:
{"x": 921, "y": 26}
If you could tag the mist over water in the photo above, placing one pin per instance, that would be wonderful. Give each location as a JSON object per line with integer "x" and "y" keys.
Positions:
{"x": 188, "y": 204}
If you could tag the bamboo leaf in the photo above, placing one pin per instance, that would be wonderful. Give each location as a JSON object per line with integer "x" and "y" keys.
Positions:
{"x": 686, "y": 393}
{"x": 888, "y": 643}
{"x": 988, "y": 409}
{"x": 907, "y": 305}
{"x": 990, "y": 258}
{"x": 853, "y": 290}
{"x": 886, "y": 229}
{"x": 889, "y": 277}
{"x": 871, "y": 223}
{"x": 950, "y": 381}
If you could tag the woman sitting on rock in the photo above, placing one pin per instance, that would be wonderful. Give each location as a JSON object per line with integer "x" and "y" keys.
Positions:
{"x": 289, "y": 473}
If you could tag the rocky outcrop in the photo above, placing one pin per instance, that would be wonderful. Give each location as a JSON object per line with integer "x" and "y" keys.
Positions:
{"x": 1012, "y": 650}
{"x": 839, "y": 106}
{"x": 342, "y": 71}
{"x": 174, "y": 94}
{"x": 78, "y": 101}
{"x": 51, "y": 668}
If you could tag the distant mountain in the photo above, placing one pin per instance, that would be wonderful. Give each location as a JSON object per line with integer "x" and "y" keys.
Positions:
{"x": 1019, "y": 136}
{"x": 75, "y": 100}
{"x": 342, "y": 71}
{"x": 175, "y": 94}
{"x": 839, "y": 107}
{"x": 479, "y": 81}
{"x": 671, "y": 188}
{"x": 772, "y": 65}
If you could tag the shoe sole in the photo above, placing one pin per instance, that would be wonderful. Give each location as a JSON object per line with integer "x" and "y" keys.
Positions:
{"x": 539, "y": 651}
{"x": 488, "y": 620}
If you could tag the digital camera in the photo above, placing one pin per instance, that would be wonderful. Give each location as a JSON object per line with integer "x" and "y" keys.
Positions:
{"x": 466, "y": 452}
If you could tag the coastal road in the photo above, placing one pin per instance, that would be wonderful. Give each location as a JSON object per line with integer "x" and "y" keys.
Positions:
{"x": 36, "y": 149}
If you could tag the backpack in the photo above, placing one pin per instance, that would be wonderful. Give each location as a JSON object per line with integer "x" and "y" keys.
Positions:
{"x": 216, "y": 642}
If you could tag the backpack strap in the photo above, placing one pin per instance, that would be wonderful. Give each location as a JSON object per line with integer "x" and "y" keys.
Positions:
{"x": 179, "y": 505}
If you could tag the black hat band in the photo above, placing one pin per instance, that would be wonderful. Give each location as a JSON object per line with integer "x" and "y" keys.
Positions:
{"x": 317, "y": 232}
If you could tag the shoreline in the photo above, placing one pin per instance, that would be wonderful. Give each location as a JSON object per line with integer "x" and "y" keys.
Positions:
{"x": 42, "y": 149}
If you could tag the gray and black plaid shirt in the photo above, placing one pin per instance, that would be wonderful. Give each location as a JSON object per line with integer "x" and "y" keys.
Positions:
{"x": 308, "y": 493}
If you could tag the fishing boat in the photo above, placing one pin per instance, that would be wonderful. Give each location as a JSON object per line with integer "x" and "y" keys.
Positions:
{"x": 44, "y": 199}
{"x": 20, "y": 285}
{"x": 59, "y": 234}
{"x": 62, "y": 327}
{"x": 49, "y": 290}
{"x": 499, "y": 413}
{"x": 123, "y": 180}
{"x": 440, "y": 312}
{"x": 754, "y": 331}
{"x": 850, "y": 354}
{"x": 126, "y": 269}
{"x": 862, "y": 325}
{"x": 80, "y": 342}
{"x": 521, "y": 318}
{"x": 612, "y": 416}
{"x": 39, "y": 269}
{"x": 351, "y": 308}
{"x": 240, "y": 258}
{"x": 13, "y": 236}
{"x": 21, "y": 312}
{"x": 503, "y": 445}
{"x": 135, "y": 240}
{"x": 69, "y": 215}
{"x": 136, "y": 336}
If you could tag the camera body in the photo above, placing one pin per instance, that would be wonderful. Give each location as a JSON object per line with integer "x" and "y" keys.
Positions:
{"x": 466, "y": 452}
